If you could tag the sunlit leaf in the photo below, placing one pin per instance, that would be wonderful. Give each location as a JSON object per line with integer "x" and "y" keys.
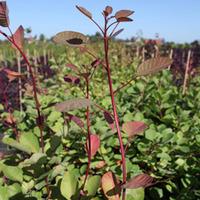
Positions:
{"x": 18, "y": 37}
{"x": 69, "y": 185}
{"x": 95, "y": 144}
{"x": 110, "y": 186}
{"x": 92, "y": 185}
{"x": 108, "y": 10}
{"x": 133, "y": 128}
{"x": 84, "y": 11}
{"x": 153, "y": 65}
{"x": 123, "y": 13}
{"x": 70, "y": 38}
{"x": 72, "y": 104}
{"x": 12, "y": 75}
{"x": 141, "y": 180}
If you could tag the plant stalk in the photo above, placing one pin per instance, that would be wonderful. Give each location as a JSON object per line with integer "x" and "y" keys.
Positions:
{"x": 114, "y": 107}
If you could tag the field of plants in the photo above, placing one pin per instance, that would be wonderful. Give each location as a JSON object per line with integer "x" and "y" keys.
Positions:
{"x": 94, "y": 120}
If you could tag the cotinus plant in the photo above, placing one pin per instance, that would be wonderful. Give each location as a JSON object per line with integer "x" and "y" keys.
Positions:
{"x": 112, "y": 187}
{"x": 51, "y": 160}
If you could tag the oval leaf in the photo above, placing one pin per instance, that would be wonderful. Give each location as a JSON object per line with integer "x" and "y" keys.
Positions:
{"x": 108, "y": 10}
{"x": 70, "y": 38}
{"x": 117, "y": 32}
{"x": 72, "y": 104}
{"x": 123, "y": 13}
{"x": 12, "y": 172}
{"x": 84, "y": 11}
{"x": 69, "y": 185}
{"x": 110, "y": 186}
{"x": 133, "y": 128}
{"x": 76, "y": 120}
{"x": 4, "y": 18}
{"x": 92, "y": 185}
{"x": 142, "y": 180}
{"x": 95, "y": 144}
{"x": 153, "y": 65}
{"x": 124, "y": 19}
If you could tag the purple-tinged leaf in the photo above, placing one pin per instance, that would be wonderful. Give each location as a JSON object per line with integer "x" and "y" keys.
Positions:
{"x": 72, "y": 104}
{"x": 117, "y": 32}
{"x": 84, "y": 11}
{"x": 153, "y": 65}
{"x": 95, "y": 144}
{"x": 123, "y": 13}
{"x": 124, "y": 19}
{"x": 142, "y": 180}
{"x": 76, "y": 120}
{"x": 70, "y": 38}
{"x": 108, "y": 117}
{"x": 4, "y": 18}
{"x": 133, "y": 128}
{"x": 72, "y": 79}
{"x": 110, "y": 186}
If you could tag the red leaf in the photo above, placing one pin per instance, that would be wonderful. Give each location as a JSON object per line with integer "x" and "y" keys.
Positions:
{"x": 117, "y": 32}
{"x": 95, "y": 144}
{"x": 76, "y": 120}
{"x": 108, "y": 10}
{"x": 124, "y": 19}
{"x": 123, "y": 13}
{"x": 133, "y": 128}
{"x": 142, "y": 180}
{"x": 110, "y": 186}
{"x": 19, "y": 37}
{"x": 12, "y": 75}
{"x": 84, "y": 11}
{"x": 4, "y": 18}
{"x": 72, "y": 79}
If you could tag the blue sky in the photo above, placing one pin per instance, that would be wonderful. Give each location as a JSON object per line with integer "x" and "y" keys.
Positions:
{"x": 174, "y": 20}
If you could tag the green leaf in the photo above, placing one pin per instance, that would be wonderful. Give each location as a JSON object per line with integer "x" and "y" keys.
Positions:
{"x": 69, "y": 185}
{"x": 29, "y": 140}
{"x": 92, "y": 185}
{"x": 11, "y": 172}
{"x": 4, "y": 195}
{"x": 13, "y": 143}
{"x": 14, "y": 189}
{"x": 135, "y": 194}
{"x": 28, "y": 143}
{"x": 38, "y": 158}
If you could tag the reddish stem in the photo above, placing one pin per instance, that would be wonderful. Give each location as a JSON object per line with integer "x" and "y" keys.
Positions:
{"x": 106, "y": 50}
{"x": 88, "y": 146}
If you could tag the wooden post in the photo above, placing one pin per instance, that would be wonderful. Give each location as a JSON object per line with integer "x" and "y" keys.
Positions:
{"x": 186, "y": 72}
{"x": 27, "y": 70}
{"x": 170, "y": 56}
